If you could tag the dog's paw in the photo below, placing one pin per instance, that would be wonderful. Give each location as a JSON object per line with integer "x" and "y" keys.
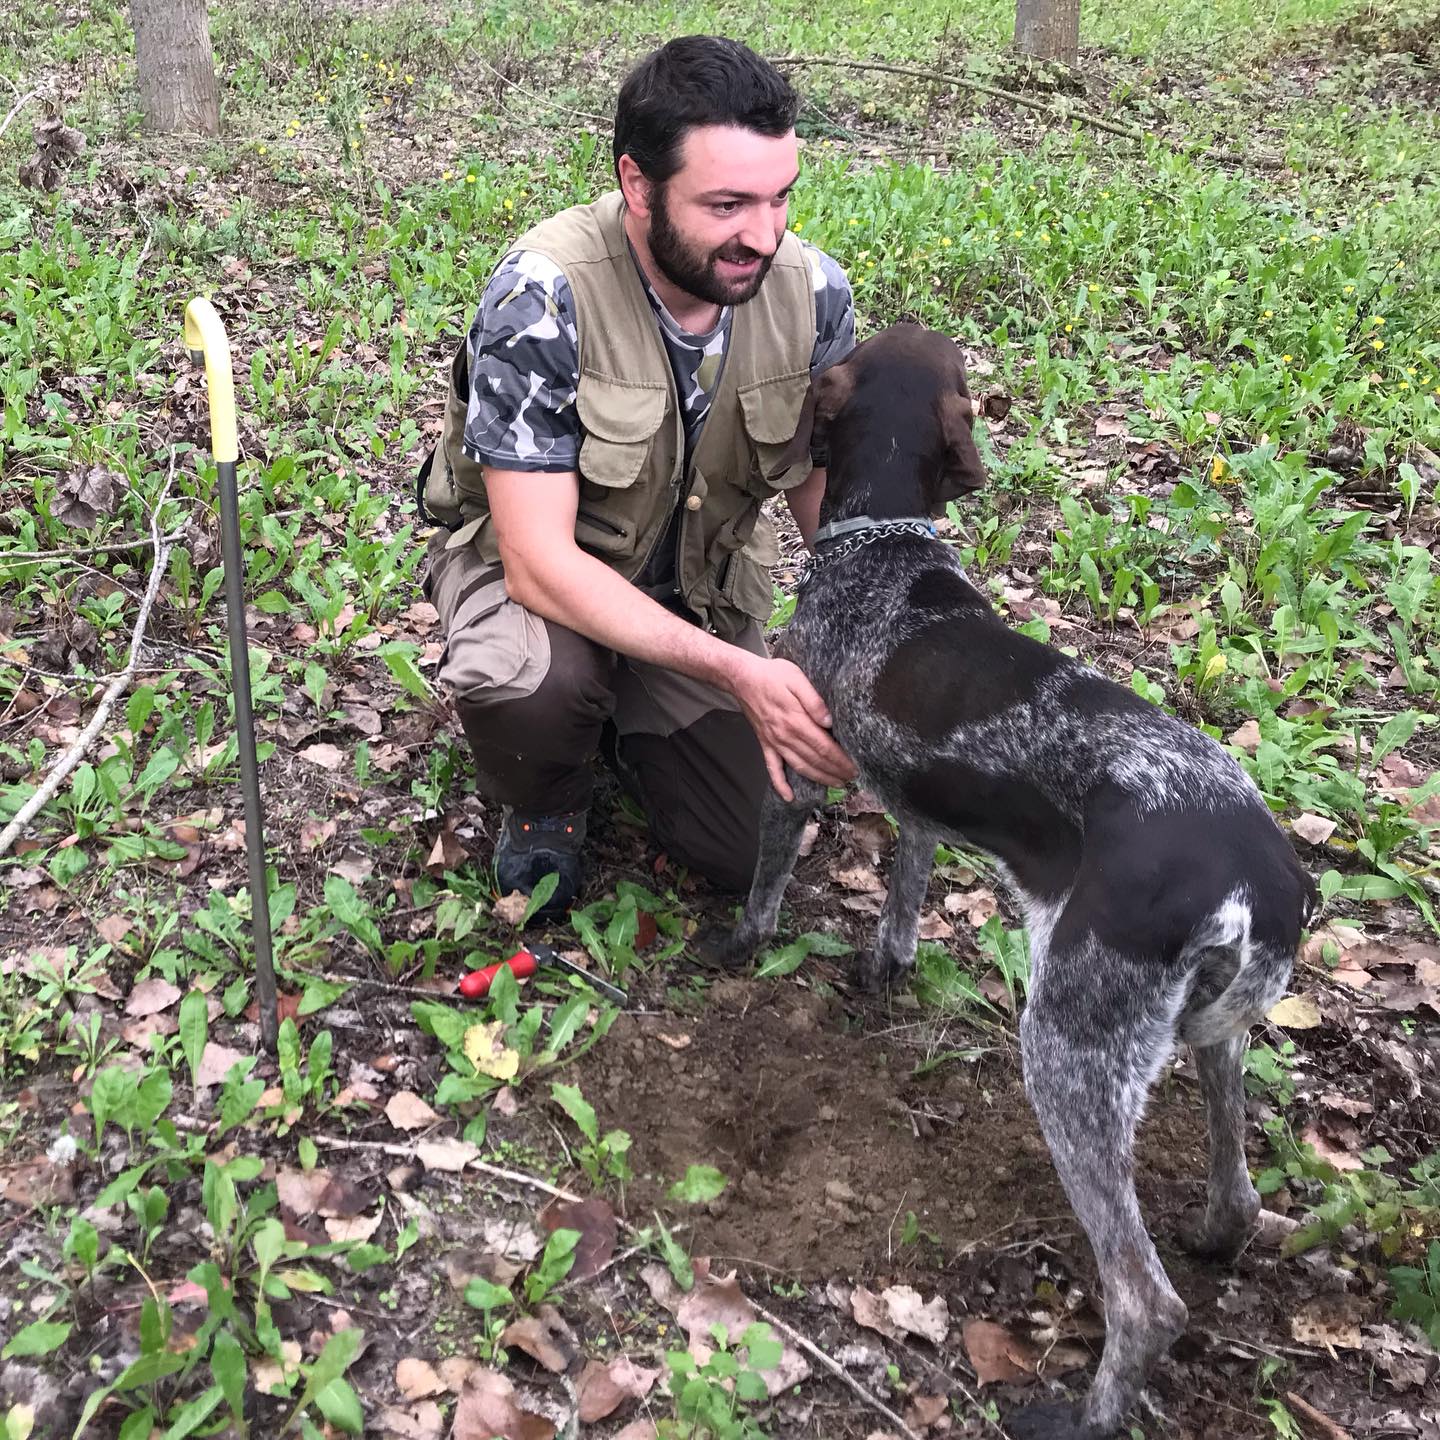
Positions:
{"x": 1050, "y": 1422}
{"x": 876, "y": 971}
{"x": 1219, "y": 1244}
{"x": 723, "y": 947}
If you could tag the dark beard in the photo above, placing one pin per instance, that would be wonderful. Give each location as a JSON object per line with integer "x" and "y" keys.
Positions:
{"x": 696, "y": 274}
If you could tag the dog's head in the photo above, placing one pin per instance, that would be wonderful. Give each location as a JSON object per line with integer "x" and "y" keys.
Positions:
{"x": 901, "y": 393}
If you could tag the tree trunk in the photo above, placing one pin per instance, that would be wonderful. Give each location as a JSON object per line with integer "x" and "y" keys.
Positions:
{"x": 176, "y": 66}
{"x": 1048, "y": 29}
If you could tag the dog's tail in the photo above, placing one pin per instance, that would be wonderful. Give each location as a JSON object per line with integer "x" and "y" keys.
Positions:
{"x": 1234, "y": 978}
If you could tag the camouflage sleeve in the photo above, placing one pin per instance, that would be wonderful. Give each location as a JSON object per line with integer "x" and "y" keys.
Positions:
{"x": 834, "y": 324}
{"x": 834, "y": 311}
{"x": 524, "y": 367}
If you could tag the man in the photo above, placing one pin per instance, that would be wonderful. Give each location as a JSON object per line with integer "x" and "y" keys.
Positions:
{"x": 632, "y": 389}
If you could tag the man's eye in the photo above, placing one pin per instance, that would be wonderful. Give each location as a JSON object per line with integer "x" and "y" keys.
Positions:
{"x": 726, "y": 207}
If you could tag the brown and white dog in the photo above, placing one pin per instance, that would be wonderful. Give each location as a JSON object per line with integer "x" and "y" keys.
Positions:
{"x": 1163, "y": 903}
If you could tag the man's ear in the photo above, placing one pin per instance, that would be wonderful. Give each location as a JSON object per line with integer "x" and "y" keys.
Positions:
{"x": 963, "y": 469}
{"x": 635, "y": 186}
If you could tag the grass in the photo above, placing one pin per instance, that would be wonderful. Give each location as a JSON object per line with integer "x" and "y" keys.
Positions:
{"x": 1218, "y": 481}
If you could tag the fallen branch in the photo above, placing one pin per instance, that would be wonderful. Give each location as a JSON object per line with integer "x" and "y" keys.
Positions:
{"x": 1025, "y": 102}
{"x": 17, "y": 107}
{"x": 117, "y": 687}
{"x": 139, "y": 542}
{"x": 1323, "y": 1423}
{"x": 835, "y": 1369}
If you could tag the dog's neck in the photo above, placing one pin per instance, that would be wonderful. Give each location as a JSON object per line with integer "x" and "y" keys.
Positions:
{"x": 880, "y": 478}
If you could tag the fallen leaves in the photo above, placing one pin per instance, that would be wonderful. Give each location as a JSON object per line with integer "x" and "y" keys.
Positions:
{"x": 545, "y": 1337}
{"x": 489, "y": 1410}
{"x": 325, "y": 756}
{"x": 1295, "y": 1012}
{"x": 511, "y": 908}
{"x": 1313, "y": 829}
{"x": 407, "y": 1111}
{"x": 486, "y": 1050}
{"x": 594, "y": 1221}
{"x": 900, "y": 1311}
{"x": 997, "y": 1354}
{"x": 604, "y": 1388}
{"x": 150, "y": 997}
{"x": 417, "y": 1379}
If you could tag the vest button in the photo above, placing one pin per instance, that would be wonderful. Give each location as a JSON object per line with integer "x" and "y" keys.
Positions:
{"x": 694, "y": 502}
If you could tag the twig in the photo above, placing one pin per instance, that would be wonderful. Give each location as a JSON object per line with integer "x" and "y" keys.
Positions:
{"x": 1323, "y": 1423}
{"x": 1044, "y": 107}
{"x": 117, "y": 687}
{"x": 540, "y": 99}
{"x": 836, "y": 1369}
{"x": 17, "y": 107}
{"x": 73, "y": 553}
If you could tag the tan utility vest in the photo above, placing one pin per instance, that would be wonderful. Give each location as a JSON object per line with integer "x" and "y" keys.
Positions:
{"x": 632, "y": 453}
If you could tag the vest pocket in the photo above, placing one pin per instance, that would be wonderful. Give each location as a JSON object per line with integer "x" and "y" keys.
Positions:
{"x": 620, "y": 419}
{"x": 772, "y": 412}
{"x": 745, "y": 582}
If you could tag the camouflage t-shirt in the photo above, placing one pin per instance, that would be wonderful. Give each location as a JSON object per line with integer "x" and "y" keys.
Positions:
{"x": 524, "y": 360}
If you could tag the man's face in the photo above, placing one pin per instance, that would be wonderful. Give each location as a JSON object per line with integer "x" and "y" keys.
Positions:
{"x": 716, "y": 223}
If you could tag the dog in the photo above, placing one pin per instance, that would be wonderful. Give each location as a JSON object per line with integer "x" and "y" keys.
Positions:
{"x": 1162, "y": 901}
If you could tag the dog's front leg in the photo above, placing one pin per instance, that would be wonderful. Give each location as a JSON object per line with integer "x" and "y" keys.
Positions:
{"x": 782, "y": 827}
{"x": 899, "y": 930}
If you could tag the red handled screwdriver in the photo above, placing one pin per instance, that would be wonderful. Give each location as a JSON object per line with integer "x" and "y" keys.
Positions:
{"x": 524, "y": 963}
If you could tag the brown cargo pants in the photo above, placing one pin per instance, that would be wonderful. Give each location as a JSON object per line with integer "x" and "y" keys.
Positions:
{"x": 538, "y": 703}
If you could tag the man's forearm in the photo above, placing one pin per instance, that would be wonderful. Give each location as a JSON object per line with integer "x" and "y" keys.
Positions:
{"x": 804, "y": 502}
{"x": 585, "y": 595}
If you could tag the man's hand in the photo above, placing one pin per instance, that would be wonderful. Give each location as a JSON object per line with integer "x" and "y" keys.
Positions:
{"x": 791, "y": 722}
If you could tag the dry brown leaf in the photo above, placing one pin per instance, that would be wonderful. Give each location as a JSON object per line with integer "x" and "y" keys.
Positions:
{"x": 455, "y": 1370}
{"x": 215, "y": 1063}
{"x": 925, "y": 1410}
{"x": 1295, "y": 1012}
{"x": 715, "y": 1302}
{"x": 595, "y": 1221}
{"x": 977, "y": 905}
{"x": 511, "y": 908}
{"x": 447, "y": 853}
{"x": 114, "y": 928}
{"x": 544, "y": 1337}
{"x": 407, "y": 1111}
{"x": 1331, "y": 1322}
{"x": 327, "y": 757}
{"x": 424, "y": 1422}
{"x": 38, "y": 1182}
{"x": 1328, "y": 1151}
{"x": 448, "y": 1154}
{"x": 151, "y": 996}
{"x": 356, "y": 1227}
{"x": 1313, "y": 829}
{"x": 934, "y": 926}
{"x": 417, "y": 1379}
{"x": 301, "y": 1192}
{"x": 861, "y": 878}
{"x": 142, "y": 1034}
{"x": 996, "y": 1355}
{"x": 314, "y": 833}
{"x": 488, "y": 1410}
{"x": 603, "y": 1389}
{"x": 1247, "y": 737}
{"x": 914, "y": 1316}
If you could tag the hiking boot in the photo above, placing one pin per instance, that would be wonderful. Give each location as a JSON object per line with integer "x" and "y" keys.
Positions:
{"x": 533, "y": 846}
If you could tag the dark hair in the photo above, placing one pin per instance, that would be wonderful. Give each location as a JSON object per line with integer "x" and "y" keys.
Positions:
{"x": 697, "y": 80}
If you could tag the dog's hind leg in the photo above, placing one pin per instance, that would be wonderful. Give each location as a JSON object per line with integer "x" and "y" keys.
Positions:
{"x": 781, "y": 828}
{"x": 1091, "y": 1053}
{"x": 899, "y": 928}
{"x": 1232, "y": 1203}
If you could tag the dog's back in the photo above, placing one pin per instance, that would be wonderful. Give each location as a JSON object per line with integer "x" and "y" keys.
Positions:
{"x": 1143, "y": 829}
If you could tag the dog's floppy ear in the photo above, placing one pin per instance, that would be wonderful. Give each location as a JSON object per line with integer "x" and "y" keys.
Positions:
{"x": 828, "y": 395}
{"x": 963, "y": 467}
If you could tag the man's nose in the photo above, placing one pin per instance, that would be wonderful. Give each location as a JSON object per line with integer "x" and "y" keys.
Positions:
{"x": 759, "y": 233}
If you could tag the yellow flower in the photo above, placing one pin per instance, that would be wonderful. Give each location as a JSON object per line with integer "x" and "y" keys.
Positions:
{"x": 1268, "y": 314}
{"x": 1217, "y": 467}
{"x": 1018, "y": 234}
{"x": 469, "y": 179}
{"x": 1377, "y": 344}
{"x": 1092, "y": 288}
{"x": 364, "y": 54}
{"x": 448, "y": 175}
{"x": 1404, "y": 384}
{"x": 1349, "y": 289}
{"x": 509, "y": 203}
{"x": 261, "y": 150}
{"x": 1410, "y": 370}
{"x": 1044, "y": 237}
{"x": 1104, "y": 194}
{"x": 1399, "y": 264}
{"x": 1286, "y": 359}
{"x": 945, "y": 240}
{"x": 409, "y": 79}
{"x": 1377, "y": 319}
{"x": 798, "y": 226}
{"x": 872, "y": 264}
{"x": 853, "y": 220}
{"x": 1069, "y": 328}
